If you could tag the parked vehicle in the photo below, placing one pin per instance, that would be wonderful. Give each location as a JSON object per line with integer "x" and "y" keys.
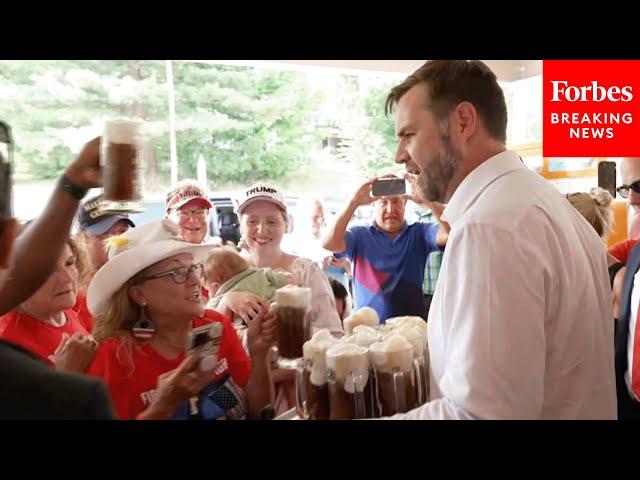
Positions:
{"x": 223, "y": 221}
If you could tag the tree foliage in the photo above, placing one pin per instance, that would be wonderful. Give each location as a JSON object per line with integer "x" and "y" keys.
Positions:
{"x": 248, "y": 124}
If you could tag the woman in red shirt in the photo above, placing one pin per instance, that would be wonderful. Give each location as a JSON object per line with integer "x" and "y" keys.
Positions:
{"x": 45, "y": 324}
{"x": 146, "y": 301}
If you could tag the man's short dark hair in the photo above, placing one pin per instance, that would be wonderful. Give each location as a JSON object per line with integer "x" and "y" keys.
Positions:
{"x": 450, "y": 82}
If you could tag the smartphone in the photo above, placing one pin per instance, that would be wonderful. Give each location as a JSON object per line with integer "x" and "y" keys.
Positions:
{"x": 206, "y": 337}
{"x": 607, "y": 177}
{"x": 389, "y": 186}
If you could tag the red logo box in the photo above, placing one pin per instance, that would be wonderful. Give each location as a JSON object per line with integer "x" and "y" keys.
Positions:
{"x": 591, "y": 108}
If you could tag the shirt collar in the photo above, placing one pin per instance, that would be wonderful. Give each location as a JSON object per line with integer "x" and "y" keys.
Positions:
{"x": 375, "y": 228}
{"x": 479, "y": 179}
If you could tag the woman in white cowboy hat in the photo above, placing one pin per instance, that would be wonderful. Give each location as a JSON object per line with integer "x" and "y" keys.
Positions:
{"x": 146, "y": 301}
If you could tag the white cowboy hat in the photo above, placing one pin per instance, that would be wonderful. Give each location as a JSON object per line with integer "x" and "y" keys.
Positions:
{"x": 134, "y": 251}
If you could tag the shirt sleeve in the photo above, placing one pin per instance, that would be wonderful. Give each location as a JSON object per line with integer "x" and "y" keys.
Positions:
{"x": 351, "y": 243}
{"x": 429, "y": 233}
{"x": 621, "y": 250}
{"x": 98, "y": 406}
{"x": 323, "y": 303}
{"x": 237, "y": 358}
{"x": 494, "y": 361}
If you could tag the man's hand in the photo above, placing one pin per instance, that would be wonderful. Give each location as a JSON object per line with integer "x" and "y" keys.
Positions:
{"x": 363, "y": 194}
{"x": 85, "y": 169}
{"x": 416, "y": 192}
{"x": 334, "y": 238}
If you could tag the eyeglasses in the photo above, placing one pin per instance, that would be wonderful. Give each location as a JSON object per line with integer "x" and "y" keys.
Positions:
{"x": 185, "y": 214}
{"x": 623, "y": 190}
{"x": 181, "y": 274}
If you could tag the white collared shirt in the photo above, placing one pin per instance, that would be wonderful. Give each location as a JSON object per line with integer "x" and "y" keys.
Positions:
{"x": 521, "y": 323}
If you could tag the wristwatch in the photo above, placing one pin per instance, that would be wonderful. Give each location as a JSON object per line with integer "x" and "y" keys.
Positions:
{"x": 71, "y": 188}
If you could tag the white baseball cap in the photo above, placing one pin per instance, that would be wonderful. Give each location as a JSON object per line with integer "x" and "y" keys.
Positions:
{"x": 262, "y": 192}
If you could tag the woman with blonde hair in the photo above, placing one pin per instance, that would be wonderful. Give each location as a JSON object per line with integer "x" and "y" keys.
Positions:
{"x": 150, "y": 319}
{"x": 595, "y": 207}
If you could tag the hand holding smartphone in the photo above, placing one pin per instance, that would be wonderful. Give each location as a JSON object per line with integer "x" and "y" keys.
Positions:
{"x": 389, "y": 186}
{"x": 205, "y": 342}
{"x": 607, "y": 177}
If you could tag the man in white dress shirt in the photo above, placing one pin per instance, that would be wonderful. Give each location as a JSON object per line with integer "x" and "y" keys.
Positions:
{"x": 521, "y": 321}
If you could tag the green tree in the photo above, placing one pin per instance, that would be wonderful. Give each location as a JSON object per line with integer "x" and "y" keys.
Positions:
{"x": 249, "y": 124}
{"x": 367, "y": 135}
{"x": 56, "y": 106}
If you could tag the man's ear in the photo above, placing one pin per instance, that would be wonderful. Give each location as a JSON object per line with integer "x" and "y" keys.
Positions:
{"x": 465, "y": 120}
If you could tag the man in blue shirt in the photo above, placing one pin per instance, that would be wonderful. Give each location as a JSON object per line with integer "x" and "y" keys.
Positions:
{"x": 388, "y": 256}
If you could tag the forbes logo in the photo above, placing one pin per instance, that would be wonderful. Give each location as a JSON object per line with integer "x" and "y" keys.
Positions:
{"x": 590, "y": 93}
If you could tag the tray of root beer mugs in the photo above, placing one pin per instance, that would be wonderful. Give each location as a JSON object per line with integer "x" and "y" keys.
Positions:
{"x": 375, "y": 370}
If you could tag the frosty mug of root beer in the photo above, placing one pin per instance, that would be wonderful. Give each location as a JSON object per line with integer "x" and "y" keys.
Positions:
{"x": 121, "y": 160}
{"x": 312, "y": 394}
{"x": 292, "y": 305}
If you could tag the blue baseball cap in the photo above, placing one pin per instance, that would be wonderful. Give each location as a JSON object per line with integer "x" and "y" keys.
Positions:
{"x": 94, "y": 221}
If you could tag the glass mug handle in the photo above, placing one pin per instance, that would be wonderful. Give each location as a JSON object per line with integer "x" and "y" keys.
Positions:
{"x": 275, "y": 349}
{"x": 418, "y": 368}
{"x": 427, "y": 375}
{"x": 375, "y": 391}
{"x": 358, "y": 397}
{"x": 399, "y": 390}
{"x": 302, "y": 393}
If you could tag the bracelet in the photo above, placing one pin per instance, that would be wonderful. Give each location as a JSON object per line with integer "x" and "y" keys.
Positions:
{"x": 71, "y": 188}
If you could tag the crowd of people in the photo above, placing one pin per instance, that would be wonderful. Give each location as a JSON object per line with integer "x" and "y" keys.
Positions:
{"x": 528, "y": 315}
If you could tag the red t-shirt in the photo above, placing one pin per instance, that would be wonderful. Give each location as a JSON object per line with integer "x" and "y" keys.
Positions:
{"x": 83, "y": 312}
{"x": 205, "y": 293}
{"x": 132, "y": 386}
{"x": 35, "y": 335}
{"x": 622, "y": 250}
